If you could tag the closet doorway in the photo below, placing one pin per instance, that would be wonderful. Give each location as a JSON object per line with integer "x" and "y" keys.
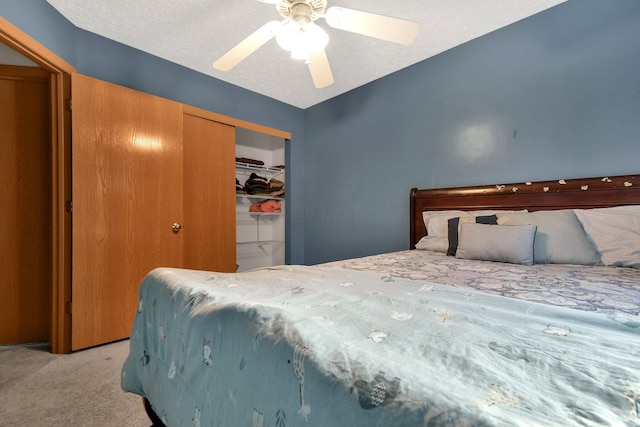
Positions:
{"x": 35, "y": 169}
{"x": 25, "y": 204}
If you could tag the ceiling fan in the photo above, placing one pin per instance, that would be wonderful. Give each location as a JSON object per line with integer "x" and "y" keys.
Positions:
{"x": 299, "y": 34}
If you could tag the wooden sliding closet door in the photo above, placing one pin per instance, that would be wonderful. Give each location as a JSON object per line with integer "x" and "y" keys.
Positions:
{"x": 25, "y": 205}
{"x": 127, "y": 192}
{"x": 209, "y": 195}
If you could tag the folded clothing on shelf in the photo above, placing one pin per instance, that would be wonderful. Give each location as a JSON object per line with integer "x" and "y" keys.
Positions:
{"x": 276, "y": 183}
{"x": 239, "y": 187}
{"x": 266, "y": 206}
{"x": 249, "y": 161}
{"x": 257, "y": 185}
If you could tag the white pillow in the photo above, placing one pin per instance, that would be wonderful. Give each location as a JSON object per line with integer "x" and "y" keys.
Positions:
{"x": 434, "y": 220}
{"x": 501, "y": 243}
{"x": 559, "y": 239}
{"x": 615, "y": 232}
{"x": 437, "y": 244}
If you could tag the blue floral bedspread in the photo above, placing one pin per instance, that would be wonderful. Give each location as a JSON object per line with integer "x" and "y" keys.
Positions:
{"x": 326, "y": 346}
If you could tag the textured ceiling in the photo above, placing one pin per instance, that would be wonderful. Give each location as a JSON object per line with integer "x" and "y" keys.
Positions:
{"x": 194, "y": 33}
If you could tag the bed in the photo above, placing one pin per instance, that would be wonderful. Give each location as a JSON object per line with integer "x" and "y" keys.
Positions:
{"x": 533, "y": 318}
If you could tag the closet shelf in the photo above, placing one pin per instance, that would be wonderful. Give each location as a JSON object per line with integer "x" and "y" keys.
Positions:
{"x": 258, "y": 197}
{"x": 259, "y": 169}
{"x": 259, "y": 213}
{"x": 262, "y": 242}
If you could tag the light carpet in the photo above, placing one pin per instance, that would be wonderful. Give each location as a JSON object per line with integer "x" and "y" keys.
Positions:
{"x": 38, "y": 388}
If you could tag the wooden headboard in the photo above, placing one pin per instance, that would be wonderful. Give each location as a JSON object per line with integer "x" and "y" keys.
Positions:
{"x": 582, "y": 193}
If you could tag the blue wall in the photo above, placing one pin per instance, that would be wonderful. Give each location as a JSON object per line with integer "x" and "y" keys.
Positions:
{"x": 554, "y": 96}
{"x": 44, "y": 24}
{"x": 107, "y": 60}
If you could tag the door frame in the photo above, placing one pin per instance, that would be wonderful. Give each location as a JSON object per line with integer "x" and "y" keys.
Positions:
{"x": 60, "y": 89}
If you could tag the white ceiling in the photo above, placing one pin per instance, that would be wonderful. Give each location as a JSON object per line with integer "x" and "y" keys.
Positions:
{"x": 194, "y": 33}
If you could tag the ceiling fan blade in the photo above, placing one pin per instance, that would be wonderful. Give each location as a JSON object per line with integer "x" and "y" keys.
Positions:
{"x": 320, "y": 69}
{"x": 373, "y": 25}
{"x": 247, "y": 46}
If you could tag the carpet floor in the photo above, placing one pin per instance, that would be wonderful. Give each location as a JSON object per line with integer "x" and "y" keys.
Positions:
{"x": 38, "y": 388}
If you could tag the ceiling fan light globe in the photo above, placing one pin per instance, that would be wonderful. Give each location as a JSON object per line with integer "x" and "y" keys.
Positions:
{"x": 300, "y": 54}
{"x": 288, "y": 36}
{"x": 302, "y": 39}
{"x": 332, "y": 17}
{"x": 317, "y": 38}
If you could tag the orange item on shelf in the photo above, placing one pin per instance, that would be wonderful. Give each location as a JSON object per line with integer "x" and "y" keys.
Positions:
{"x": 267, "y": 206}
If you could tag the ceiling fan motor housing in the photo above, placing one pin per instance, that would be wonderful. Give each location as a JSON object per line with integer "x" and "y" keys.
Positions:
{"x": 301, "y": 11}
